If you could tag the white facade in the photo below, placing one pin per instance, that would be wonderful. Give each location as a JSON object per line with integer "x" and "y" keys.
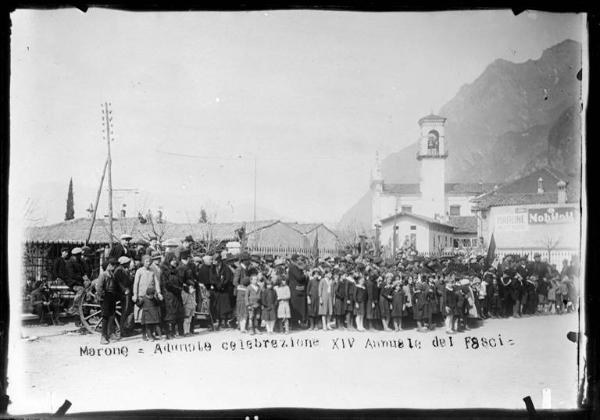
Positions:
{"x": 427, "y": 198}
{"x": 427, "y": 237}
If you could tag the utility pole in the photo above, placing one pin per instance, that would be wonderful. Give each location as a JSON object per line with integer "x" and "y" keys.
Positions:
{"x": 395, "y": 233}
{"x": 107, "y": 119}
{"x": 95, "y": 208}
{"x": 255, "y": 189}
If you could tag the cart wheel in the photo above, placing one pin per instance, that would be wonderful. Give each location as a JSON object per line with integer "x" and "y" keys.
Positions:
{"x": 90, "y": 313}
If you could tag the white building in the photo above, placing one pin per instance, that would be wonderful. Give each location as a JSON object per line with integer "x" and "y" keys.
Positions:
{"x": 436, "y": 206}
{"x": 539, "y": 212}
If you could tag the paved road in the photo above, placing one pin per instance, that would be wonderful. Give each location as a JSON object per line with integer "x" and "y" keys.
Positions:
{"x": 513, "y": 358}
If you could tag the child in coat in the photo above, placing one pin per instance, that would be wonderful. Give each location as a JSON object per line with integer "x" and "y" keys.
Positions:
{"x": 253, "y": 300}
{"x": 360, "y": 299}
{"x": 397, "y": 305}
{"x": 312, "y": 295}
{"x": 283, "y": 304}
{"x": 268, "y": 301}
{"x": 151, "y": 315}
{"x": 241, "y": 311}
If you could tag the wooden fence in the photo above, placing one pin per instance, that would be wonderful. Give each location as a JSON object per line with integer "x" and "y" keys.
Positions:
{"x": 555, "y": 256}
{"x": 288, "y": 251}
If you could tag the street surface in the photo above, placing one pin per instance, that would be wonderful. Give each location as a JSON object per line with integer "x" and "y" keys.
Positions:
{"x": 514, "y": 358}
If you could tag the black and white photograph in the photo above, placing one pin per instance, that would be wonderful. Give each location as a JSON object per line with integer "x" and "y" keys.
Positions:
{"x": 223, "y": 210}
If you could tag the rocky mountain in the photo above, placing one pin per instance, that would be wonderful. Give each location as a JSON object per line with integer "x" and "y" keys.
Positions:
{"x": 513, "y": 118}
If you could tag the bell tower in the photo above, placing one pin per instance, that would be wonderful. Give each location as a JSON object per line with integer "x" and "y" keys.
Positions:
{"x": 432, "y": 155}
{"x": 377, "y": 191}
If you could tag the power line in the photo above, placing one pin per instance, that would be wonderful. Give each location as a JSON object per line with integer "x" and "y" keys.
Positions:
{"x": 252, "y": 157}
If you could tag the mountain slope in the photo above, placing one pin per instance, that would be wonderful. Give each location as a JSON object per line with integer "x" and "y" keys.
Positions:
{"x": 501, "y": 122}
{"x": 514, "y": 118}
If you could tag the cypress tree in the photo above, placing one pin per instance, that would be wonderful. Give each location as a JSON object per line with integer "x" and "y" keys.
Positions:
{"x": 70, "y": 214}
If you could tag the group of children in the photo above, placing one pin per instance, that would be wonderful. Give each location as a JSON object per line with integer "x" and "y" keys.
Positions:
{"x": 354, "y": 301}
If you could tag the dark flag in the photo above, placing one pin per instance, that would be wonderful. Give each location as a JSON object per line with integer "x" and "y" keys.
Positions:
{"x": 491, "y": 254}
{"x": 316, "y": 245}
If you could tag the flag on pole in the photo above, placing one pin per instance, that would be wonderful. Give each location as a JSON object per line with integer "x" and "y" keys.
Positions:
{"x": 316, "y": 245}
{"x": 491, "y": 254}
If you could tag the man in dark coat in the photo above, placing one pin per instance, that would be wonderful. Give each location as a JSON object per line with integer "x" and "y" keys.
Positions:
{"x": 297, "y": 282}
{"x": 107, "y": 291}
{"x": 241, "y": 272}
{"x": 186, "y": 273}
{"x": 77, "y": 278}
{"x": 123, "y": 249}
{"x": 59, "y": 269}
{"x": 124, "y": 282}
{"x": 538, "y": 268}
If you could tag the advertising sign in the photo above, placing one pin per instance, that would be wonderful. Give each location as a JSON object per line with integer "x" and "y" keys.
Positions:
{"x": 552, "y": 215}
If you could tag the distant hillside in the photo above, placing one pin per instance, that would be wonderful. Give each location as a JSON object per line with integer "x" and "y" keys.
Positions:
{"x": 501, "y": 122}
{"x": 514, "y": 118}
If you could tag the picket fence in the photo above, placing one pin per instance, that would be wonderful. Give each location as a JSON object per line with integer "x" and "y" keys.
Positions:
{"x": 288, "y": 251}
{"x": 555, "y": 256}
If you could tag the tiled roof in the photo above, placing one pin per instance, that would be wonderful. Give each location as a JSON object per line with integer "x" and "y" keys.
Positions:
{"x": 432, "y": 117}
{"x": 401, "y": 188}
{"x": 468, "y": 188}
{"x": 418, "y": 217}
{"x": 515, "y": 199}
{"x": 76, "y": 231}
{"x": 464, "y": 224}
{"x": 449, "y": 188}
{"x": 523, "y": 191}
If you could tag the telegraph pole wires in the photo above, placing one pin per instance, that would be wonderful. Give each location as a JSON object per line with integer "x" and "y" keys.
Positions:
{"x": 108, "y": 132}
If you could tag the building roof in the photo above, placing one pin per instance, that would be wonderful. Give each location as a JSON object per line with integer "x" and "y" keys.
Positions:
{"x": 464, "y": 224}
{"x": 472, "y": 188}
{"x": 417, "y": 217}
{"x": 523, "y": 191}
{"x": 76, "y": 231}
{"x": 431, "y": 117}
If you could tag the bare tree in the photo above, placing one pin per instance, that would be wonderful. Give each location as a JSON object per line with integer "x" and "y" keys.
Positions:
{"x": 549, "y": 243}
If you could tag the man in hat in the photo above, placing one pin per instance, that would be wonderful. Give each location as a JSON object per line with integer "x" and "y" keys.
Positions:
{"x": 185, "y": 272}
{"x": 77, "y": 278}
{"x": 108, "y": 294}
{"x": 59, "y": 269}
{"x": 122, "y": 249}
{"x": 186, "y": 245}
{"x": 223, "y": 291}
{"x": 125, "y": 283}
{"x": 153, "y": 246}
{"x": 297, "y": 281}
{"x": 241, "y": 272}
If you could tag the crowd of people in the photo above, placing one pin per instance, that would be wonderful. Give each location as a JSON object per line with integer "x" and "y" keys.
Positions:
{"x": 163, "y": 291}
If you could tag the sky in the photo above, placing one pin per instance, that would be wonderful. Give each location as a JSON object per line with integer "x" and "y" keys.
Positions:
{"x": 199, "y": 99}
